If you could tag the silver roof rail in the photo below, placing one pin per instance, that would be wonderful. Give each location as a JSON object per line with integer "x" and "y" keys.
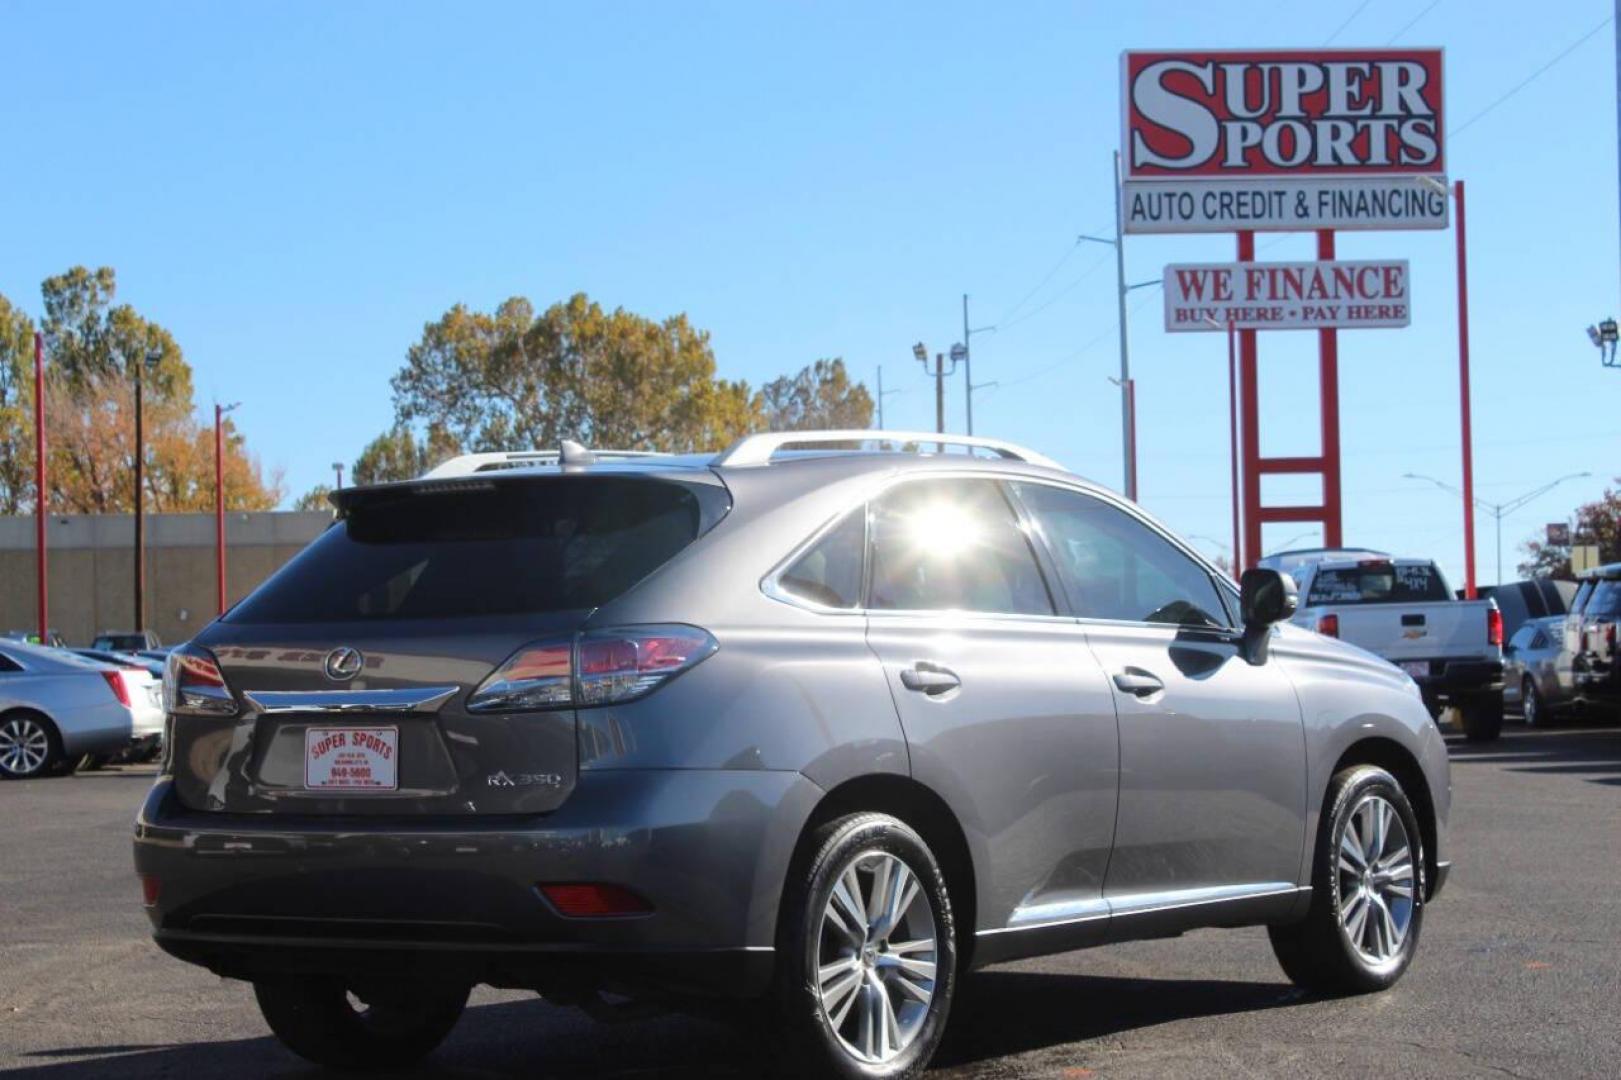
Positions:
{"x": 759, "y": 449}
{"x": 571, "y": 454}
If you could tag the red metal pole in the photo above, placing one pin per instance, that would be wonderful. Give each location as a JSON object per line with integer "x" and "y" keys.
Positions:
{"x": 219, "y": 505}
{"x": 42, "y": 496}
{"x": 1250, "y": 411}
{"x": 1463, "y": 391}
{"x": 1232, "y": 442}
{"x": 1328, "y": 378}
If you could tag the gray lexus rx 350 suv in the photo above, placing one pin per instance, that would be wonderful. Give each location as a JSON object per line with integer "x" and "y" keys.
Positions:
{"x": 825, "y": 721}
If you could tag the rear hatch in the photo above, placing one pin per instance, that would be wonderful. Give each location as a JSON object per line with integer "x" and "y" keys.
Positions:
{"x": 348, "y": 674}
{"x": 1399, "y": 610}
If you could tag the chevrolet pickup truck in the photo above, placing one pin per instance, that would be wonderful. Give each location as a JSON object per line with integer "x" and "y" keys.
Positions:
{"x": 1403, "y": 611}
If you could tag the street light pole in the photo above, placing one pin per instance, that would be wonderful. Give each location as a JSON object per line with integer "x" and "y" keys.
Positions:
{"x": 969, "y": 386}
{"x": 1500, "y": 510}
{"x": 1126, "y": 395}
{"x": 219, "y": 499}
{"x": 337, "y": 467}
{"x": 42, "y": 497}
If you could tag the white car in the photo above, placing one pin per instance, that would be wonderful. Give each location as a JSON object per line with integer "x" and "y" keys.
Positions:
{"x": 56, "y": 707}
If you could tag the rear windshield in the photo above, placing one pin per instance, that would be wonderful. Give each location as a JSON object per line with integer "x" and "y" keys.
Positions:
{"x": 536, "y": 545}
{"x": 1605, "y": 603}
{"x": 1377, "y": 583}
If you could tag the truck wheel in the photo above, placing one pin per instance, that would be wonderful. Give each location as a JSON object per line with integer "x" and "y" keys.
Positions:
{"x": 1531, "y": 706}
{"x": 1367, "y": 896}
{"x": 371, "y": 1029}
{"x": 867, "y": 954}
{"x": 1482, "y": 717}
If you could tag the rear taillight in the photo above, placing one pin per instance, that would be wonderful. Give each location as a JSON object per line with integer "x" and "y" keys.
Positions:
{"x": 1494, "y": 626}
{"x": 600, "y": 667}
{"x": 193, "y": 684}
{"x": 1328, "y": 625}
{"x": 115, "y": 679}
{"x": 1609, "y": 636}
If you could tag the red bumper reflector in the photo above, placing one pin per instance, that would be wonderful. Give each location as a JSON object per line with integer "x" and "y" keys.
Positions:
{"x": 594, "y": 901}
{"x": 150, "y": 888}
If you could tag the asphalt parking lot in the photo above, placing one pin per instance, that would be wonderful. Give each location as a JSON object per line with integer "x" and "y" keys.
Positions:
{"x": 1518, "y": 973}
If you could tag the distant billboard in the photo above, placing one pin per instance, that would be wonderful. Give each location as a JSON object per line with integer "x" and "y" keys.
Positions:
{"x": 1215, "y": 141}
{"x": 1287, "y": 295}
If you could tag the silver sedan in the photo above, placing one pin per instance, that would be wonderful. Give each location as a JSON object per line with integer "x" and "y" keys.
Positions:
{"x": 56, "y": 707}
{"x": 1530, "y": 665}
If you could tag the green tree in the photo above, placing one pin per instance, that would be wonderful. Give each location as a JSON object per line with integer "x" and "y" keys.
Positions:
{"x": 397, "y": 455}
{"x": 511, "y": 379}
{"x": 1597, "y": 522}
{"x": 316, "y": 498}
{"x": 16, "y": 409}
{"x": 819, "y": 397}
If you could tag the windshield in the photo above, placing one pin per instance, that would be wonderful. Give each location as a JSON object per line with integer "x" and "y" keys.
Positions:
{"x": 1378, "y": 583}
{"x": 519, "y": 547}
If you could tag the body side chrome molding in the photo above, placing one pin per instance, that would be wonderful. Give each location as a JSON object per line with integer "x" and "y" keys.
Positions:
{"x": 1063, "y": 913}
{"x": 426, "y": 699}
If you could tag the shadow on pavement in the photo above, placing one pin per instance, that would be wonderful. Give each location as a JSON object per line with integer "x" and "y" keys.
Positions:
{"x": 997, "y": 1013}
{"x": 1591, "y": 751}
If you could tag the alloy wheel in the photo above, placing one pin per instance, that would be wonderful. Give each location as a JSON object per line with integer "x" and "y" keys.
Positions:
{"x": 876, "y": 956}
{"x": 24, "y": 746}
{"x": 1376, "y": 880}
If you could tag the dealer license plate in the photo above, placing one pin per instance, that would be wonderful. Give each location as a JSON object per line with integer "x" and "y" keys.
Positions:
{"x": 1418, "y": 669}
{"x": 351, "y": 758}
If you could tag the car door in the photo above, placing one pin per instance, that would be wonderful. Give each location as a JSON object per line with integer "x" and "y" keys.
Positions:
{"x": 1212, "y": 748}
{"x": 1006, "y": 711}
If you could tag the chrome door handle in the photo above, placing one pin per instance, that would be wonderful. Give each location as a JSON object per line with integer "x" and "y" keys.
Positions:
{"x": 929, "y": 678}
{"x": 1139, "y": 683}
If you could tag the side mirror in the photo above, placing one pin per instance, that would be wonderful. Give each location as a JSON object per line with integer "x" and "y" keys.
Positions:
{"x": 1266, "y": 597}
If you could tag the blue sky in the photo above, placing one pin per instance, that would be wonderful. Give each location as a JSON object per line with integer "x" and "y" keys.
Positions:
{"x": 295, "y": 189}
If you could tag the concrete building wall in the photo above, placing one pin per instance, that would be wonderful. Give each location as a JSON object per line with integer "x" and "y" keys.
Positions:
{"x": 92, "y": 586}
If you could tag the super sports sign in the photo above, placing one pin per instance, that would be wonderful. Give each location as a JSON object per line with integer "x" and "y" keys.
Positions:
{"x": 1285, "y": 139}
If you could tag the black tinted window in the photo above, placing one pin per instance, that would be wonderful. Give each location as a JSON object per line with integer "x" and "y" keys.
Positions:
{"x": 1579, "y": 604}
{"x": 953, "y": 545}
{"x": 829, "y": 573}
{"x": 1378, "y": 583}
{"x": 1115, "y": 567}
{"x": 517, "y": 546}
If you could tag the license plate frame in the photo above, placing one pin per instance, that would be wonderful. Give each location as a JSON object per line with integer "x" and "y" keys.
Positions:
{"x": 1417, "y": 669}
{"x": 352, "y": 758}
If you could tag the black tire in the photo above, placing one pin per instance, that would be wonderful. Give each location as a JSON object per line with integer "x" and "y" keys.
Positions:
{"x": 808, "y": 1043}
{"x": 1532, "y": 707}
{"x": 1318, "y": 952}
{"x": 24, "y": 733}
{"x": 394, "y": 1026}
{"x": 1482, "y": 717}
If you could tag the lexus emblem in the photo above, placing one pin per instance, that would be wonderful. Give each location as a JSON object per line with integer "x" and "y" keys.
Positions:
{"x": 344, "y": 663}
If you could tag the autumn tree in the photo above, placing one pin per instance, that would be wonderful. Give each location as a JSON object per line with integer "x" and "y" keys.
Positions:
{"x": 93, "y": 349}
{"x": 819, "y": 397}
{"x": 316, "y": 498}
{"x": 397, "y": 454}
{"x": 511, "y": 378}
{"x": 1597, "y": 523}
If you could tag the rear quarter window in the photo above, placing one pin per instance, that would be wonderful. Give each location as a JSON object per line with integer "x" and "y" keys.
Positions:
{"x": 513, "y": 546}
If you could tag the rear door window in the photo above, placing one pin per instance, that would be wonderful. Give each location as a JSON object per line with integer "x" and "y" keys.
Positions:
{"x": 1116, "y": 567}
{"x": 516, "y": 546}
{"x": 1377, "y": 583}
{"x": 1605, "y": 603}
{"x": 953, "y": 545}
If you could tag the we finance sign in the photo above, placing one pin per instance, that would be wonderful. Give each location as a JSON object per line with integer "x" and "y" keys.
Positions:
{"x": 1287, "y": 295}
{"x": 1283, "y": 140}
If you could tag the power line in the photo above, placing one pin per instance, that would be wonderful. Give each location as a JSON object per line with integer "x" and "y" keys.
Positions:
{"x": 1349, "y": 19}
{"x": 1004, "y": 325}
{"x": 1529, "y": 79}
{"x": 1091, "y": 343}
{"x": 1059, "y": 265}
{"x": 1410, "y": 23}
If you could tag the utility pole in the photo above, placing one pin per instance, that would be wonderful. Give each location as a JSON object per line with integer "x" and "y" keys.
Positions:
{"x": 968, "y": 362}
{"x": 882, "y": 394}
{"x": 921, "y": 354}
{"x": 1126, "y": 433}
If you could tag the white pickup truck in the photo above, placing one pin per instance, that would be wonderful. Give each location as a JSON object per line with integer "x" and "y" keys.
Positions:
{"x": 1403, "y": 611}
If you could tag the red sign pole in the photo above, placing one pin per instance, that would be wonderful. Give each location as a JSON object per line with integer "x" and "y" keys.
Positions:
{"x": 1232, "y": 442}
{"x": 1328, "y": 378}
{"x": 219, "y": 506}
{"x": 1463, "y": 392}
{"x": 41, "y": 494}
{"x": 1249, "y": 394}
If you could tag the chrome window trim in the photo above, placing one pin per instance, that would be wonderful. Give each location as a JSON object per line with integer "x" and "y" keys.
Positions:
{"x": 881, "y": 485}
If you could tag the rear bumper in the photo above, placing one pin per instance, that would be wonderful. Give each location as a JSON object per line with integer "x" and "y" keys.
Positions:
{"x": 1450, "y": 680}
{"x": 254, "y": 895}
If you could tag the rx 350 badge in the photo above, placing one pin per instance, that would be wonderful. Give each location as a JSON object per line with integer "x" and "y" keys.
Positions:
{"x": 538, "y": 779}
